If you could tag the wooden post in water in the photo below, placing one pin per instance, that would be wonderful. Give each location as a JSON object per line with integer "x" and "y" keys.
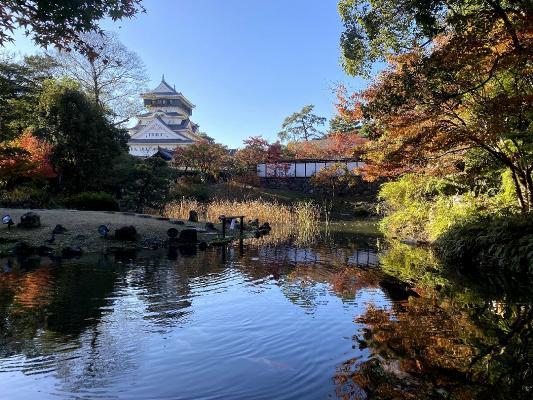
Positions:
{"x": 223, "y": 227}
{"x": 242, "y": 225}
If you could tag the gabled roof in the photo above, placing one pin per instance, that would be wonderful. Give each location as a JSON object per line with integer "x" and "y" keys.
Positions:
{"x": 167, "y": 114}
{"x": 174, "y": 127}
{"x": 163, "y": 88}
{"x": 138, "y": 131}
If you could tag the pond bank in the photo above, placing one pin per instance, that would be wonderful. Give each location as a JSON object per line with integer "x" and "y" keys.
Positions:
{"x": 82, "y": 230}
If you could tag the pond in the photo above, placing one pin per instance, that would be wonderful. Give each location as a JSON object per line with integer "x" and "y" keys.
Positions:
{"x": 344, "y": 316}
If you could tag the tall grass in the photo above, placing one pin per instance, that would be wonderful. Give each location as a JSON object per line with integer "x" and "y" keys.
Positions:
{"x": 300, "y": 219}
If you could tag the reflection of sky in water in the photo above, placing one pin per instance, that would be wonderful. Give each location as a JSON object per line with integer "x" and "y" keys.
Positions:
{"x": 268, "y": 325}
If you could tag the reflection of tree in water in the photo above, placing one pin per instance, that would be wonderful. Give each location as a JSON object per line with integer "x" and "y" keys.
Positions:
{"x": 447, "y": 343}
{"x": 63, "y": 300}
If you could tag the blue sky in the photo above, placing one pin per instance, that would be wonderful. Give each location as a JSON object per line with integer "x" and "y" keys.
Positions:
{"x": 246, "y": 65}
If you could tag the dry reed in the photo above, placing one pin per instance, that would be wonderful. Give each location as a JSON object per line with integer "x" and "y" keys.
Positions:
{"x": 300, "y": 220}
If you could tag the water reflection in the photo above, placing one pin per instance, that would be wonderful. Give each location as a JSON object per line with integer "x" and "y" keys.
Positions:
{"x": 458, "y": 339}
{"x": 261, "y": 320}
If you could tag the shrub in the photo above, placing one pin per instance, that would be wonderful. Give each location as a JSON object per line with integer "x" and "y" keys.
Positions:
{"x": 25, "y": 197}
{"x": 198, "y": 192}
{"x": 490, "y": 243}
{"x": 94, "y": 201}
{"x": 424, "y": 208}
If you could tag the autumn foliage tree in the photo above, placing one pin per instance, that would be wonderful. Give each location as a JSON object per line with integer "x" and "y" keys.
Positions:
{"x": 336, "y": 145}
{"x": 467, "y": 86}
{"x": 26, "y": 158}
{"x": 204, "y": 156}
{"x": 257, "y": 150}
{"x": 61, "y": 23}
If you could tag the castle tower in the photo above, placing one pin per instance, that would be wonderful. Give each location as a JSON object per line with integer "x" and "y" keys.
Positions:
{"x": 166, "y": 125}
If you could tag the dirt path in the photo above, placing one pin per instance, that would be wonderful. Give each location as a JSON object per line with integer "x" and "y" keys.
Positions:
{"x": 82, "y": 229}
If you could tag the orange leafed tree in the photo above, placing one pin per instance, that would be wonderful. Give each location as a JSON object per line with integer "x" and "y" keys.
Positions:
{"x": 26, "y": 157}
{"x": 335, "y": 146}
{"x": 434, "y": 105}
{"x": 204, "y": 156}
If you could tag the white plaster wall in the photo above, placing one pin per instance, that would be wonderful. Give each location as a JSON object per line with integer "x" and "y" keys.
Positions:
{"x": 300, "y": 170}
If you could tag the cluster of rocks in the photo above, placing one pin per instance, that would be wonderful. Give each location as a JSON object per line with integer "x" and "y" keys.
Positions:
{"x": 186, "y": 237}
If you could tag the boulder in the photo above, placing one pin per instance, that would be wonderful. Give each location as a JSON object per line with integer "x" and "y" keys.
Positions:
{"x": 126, "y": 233}
{"x": 188, "y": 236}
{"x": 193, "y": 216}
{"x": 172, "y": 233}
{"x": 265, "y": 227}
{"x": 59, "y": 230}
{"x": 29, "y": 220}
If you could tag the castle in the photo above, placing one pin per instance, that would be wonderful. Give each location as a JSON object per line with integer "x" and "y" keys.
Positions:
{"x": 166, "y": 125}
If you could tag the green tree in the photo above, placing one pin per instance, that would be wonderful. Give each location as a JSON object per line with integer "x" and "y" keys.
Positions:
{"x": 60, "y": 23}
{"x": 20, "y": 85}
{"x": 338, "y": 124}
{"x": 145, "y": 183}
{"x": 85, "y": 143}
{"x": 377, "y": 29}
{"x": 302, "y": 125}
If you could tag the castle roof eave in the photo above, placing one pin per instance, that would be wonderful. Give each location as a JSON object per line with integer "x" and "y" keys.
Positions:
{"x": 160, "y": 141}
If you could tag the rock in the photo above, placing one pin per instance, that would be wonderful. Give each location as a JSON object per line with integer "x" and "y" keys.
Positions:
{"x": 188, "y": 236}
{"x": 126, "y": 233}
{"x": 172, "y": 233}
{"x": 210, "y": 226}
{"x": 29, "y": 220}
{"x": 265, "y": 227}
{"x": 71, "y": 251}
{"x": 193, "y": 216}
{"x": 413, "y": 242}
{"x": 59, "y": 229}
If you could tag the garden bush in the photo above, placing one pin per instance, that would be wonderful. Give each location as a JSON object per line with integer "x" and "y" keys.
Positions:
{"x": 199, "y": 192}
{"x": 25, "y": 197}
{"x": 94, "y": 201}
{"x": 424, "y": 208}
{"x": 490, "y": 243}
